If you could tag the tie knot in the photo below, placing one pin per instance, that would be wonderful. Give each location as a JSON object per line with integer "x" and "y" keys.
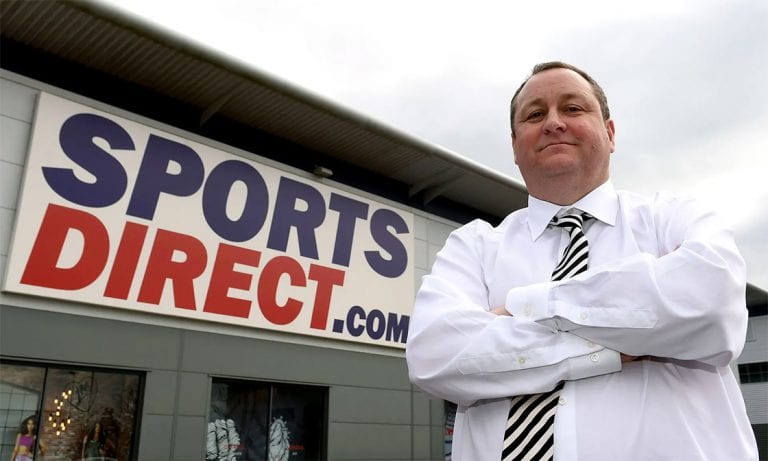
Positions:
{"x": 571, "y": 220}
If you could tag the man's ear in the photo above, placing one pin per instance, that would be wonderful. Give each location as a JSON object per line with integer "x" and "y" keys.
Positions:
{"x": 514, "y": 154}
{"x": 610, "y": 128}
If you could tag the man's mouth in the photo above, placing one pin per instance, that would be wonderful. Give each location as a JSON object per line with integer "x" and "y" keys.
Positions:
{"x": 554, "y": 144}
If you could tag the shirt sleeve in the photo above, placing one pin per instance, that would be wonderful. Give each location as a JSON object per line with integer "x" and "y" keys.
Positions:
{"x": 460, "y": 352}
{"x": 686, "y": 303}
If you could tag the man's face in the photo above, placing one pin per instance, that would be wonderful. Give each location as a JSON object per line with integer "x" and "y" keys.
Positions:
{"x": 561, "y": 142}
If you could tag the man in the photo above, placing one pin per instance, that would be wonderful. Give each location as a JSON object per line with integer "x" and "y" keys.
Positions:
{"x": 629, "y": 340}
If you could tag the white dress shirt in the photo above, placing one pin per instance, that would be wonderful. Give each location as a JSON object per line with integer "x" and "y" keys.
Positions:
{"x": 665, "y": 282}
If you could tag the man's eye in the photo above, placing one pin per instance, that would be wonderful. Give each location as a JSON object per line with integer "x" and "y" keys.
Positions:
{"x": 534, "y": 115}
{"x": 573, "y": 109}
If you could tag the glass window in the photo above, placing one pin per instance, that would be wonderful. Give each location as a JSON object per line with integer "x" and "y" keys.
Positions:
{"x": 75, "y": 413}
{"x": 21, "y": 391}
{"x": 753, "y": 372}
{"x": 255, "y": 421}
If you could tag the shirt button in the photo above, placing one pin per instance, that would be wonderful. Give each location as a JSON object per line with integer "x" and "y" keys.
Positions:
{"x": 583, "y": 316}
{"x": 521, "y": 360}
{"x": 594, "y": 357}
{"x": 561, "y": 401}
{"x": 591, "y": 344}
{"x": 527, "y": 310}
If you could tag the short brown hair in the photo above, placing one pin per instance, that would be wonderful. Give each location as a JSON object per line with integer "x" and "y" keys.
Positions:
{"x": 599, "y": 93}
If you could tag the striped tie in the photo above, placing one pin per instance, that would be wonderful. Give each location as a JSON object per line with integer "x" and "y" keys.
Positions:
{"x": 529, "y": 435}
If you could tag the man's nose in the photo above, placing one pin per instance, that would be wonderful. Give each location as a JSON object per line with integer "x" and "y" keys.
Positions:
{"x": 554, "y": 122}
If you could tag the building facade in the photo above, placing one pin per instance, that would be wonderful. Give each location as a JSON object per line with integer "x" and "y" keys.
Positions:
{"x": 753, "y": 367}
{"x": 158, "y": 367}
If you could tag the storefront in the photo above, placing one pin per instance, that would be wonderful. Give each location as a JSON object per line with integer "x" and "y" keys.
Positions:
{"x": 200, "y": 261}
{"x": 204, "y": 240}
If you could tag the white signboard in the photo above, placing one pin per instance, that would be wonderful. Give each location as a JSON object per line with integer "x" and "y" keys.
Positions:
{"x": 115, "y": 213}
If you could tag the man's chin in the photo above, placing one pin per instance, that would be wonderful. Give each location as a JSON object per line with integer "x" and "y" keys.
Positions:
{"x": 558, "y": 164}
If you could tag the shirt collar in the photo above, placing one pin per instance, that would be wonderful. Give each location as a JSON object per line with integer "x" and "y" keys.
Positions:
{"x": 602, "y": 203}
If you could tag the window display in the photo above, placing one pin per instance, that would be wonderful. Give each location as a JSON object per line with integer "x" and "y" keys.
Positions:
{"x": 252, "y": 421}
{"x": 67, "y": 414}
{"x": 21, "y": 389}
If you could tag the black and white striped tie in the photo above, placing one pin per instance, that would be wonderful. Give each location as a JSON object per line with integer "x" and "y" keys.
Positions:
{"x": 529, "y": 435}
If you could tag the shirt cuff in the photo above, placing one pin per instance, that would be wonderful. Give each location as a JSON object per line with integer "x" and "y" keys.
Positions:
{"x": 530, "y": 302}
{"x": 597, "y": 363}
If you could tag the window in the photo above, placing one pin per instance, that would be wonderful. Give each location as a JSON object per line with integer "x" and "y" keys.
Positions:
{"x": 753, "y": 372}
{"x": 255, "y": 421}
{"x": 68, "y": 413}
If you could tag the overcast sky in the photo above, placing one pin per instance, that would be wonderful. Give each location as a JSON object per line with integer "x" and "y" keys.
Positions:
{"x": 687, "y": 81}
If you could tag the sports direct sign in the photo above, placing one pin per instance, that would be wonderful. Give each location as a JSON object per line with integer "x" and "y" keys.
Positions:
{"x": 115, "y": 213}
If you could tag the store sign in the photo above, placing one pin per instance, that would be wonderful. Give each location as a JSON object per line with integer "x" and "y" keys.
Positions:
{"x": 119, "y": 214}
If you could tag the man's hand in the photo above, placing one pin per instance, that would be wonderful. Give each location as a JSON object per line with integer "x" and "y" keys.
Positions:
{"x": 501, "y": 310}
{"x": 631, "y": 358}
